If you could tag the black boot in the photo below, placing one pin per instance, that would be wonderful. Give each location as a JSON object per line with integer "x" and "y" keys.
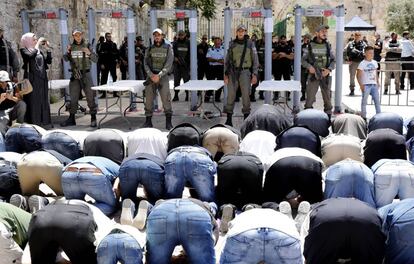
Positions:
{"x": 168, "y": 124}
{"x": 103, "y": 95}
{"x": 69, "y": 122}
{"x": 116, "y": 94}
{"x": 229, "y": 121}
{"x": 175, "y": 96}
{"x": 148, "y": 122}
{"x": 93, "y": 120}
{"x": 186, "y": 96}
{"x": 245, "y": 116}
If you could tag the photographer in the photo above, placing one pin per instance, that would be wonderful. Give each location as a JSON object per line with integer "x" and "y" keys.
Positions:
{"x": 11, "y": 105}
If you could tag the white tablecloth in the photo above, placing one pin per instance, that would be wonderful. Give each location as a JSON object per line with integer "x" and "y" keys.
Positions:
{"x": 121, "y": 86}
{"x": 279, "y": 86}
{"x": 200, "y": 85}
{"x": 58, "y": 84}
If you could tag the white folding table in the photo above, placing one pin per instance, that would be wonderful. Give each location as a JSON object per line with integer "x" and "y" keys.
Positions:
{"x": 120, "y": 86}
{"x": 280, "y": 86}
{"x": 62, "y": 84}
{"x": 202, "y": 86}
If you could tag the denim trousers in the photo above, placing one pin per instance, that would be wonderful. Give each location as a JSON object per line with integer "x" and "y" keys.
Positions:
{"x": 62, "y": 143}
{"x": 141, "y": 171}
{"x": 120, "y": 247}
{"x": 262, "y": 245}
{"x": 97, "y": 185}
{"x": 392, "y": 178}
{"x": 398, "y": 225}
{"x": 2, "y": 143}
{"x": 370, "y": 89}
{"x": 191, "y": 167}
{"x": 180, "y": 222}
{"x": 9, "y": 181}
{"x": 349, "y": 179}
{"x": 23, "y": 139}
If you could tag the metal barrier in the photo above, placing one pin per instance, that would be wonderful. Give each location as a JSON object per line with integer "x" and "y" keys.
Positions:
{"x": 406, "y": 96}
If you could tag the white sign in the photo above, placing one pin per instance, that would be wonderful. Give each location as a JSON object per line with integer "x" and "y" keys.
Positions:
{"x": 63, "y": 27}
{"x": 240, "y": 12}
{"x": 165, "y": 13}
{"x": 192, "y": 25}
{"x": 315, "y": 11}
{"x": 340, "y": 24}
{"x": 130, "y": 25}
{"x": 268, "y": 25}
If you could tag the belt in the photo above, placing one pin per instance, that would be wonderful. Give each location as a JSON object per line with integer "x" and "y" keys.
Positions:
{"x": 244, "y": 68}
{"x": 190, "y": 150}
{"x": 76, "y": 169}
{"x": 85, "y": 71}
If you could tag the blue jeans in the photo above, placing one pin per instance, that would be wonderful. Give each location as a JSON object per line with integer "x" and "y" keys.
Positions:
{"x": 2, "y": 143}
{"x": 398, "y": 225}
{"x": 192, "y": 167}
{"x": 9, "y": 181}
{"x": 120, "y": 247}
{"x": 261, "y": 245}
{"x": 134, "y": 172}
{"x": 370, "y": 89}
{"x": 62, "y": 143}
{"x": 23, "y": 139}
{"x": 76, "y": 184}
{"x": 392, "y": 178}
{"x": 348, "y": 179}
{"x": 175, "y": 222}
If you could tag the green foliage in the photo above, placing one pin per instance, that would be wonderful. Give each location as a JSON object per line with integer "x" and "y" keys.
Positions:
{"x": 207, "y": 7}
{"x": 400, "y": 16}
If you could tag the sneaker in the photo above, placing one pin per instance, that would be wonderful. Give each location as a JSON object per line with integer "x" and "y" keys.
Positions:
{"x": 226, "y": 216}
{"x": 303, "y": 210}
{"x": 36, "y": 203}
{"x": 351, "y": 93}
{"x": 127, "y": 213}
{"x": 19, "y": 201}
{"x": 140, "y": 219}
{"x": 286, "y": 209}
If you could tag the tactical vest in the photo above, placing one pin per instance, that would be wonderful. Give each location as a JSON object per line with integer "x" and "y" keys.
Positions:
{"x": 158, "y": 57}
{"x": 80, "y": 58}
{"x": 237, "y": 51}
{"x": 390, "y": 55}
{"x": 321, "y": 54}
{"x": 182, "y": 49}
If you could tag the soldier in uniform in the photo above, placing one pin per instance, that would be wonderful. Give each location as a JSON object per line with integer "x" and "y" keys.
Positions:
{"x": 240, "y": 68}
{"x": 158, "y": 62}
{"x": 139, "y": 58}
{"x": 80, "y": 56}
{"x": 181, "y": 62}
{"x": 319, "y": 61}
{"x": 392, "y": 58}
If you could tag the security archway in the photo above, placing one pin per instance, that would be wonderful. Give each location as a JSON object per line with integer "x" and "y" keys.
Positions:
{"x": 181, "y": 14}
{"x": 268, "y": 30}
{"x": 58, "y": 14}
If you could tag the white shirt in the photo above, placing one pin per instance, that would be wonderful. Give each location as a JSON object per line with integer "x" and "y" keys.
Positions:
{"x": 262, "y": 218}
{"x": 217, "y": 54}
{"x": 407, "y": 48}
{"x": 289, "y": 152}
{"x": 369, "y": 71}
{"x": 148, "y": 140}
{"x": 260, "y": 143}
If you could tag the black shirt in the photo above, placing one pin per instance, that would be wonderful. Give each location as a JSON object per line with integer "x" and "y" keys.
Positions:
{"x": 202, "y": 50}
{"x": 108, "y": 53}
{"x": 7, "y": 104}
{"x": 283, "y": 62}
{"x": 377, "y": 52}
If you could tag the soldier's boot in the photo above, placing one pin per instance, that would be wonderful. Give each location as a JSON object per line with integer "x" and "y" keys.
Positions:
{"x": 148, "y": 122}
{"x": 186, "y": 96}
{"x": 246, "y": 115}
{"x": 229, "y": 121}
{"x": 175, "y": 99}
{"x": 168, "y": 124}
{"x": 69, "y": 122}
{"x": 93, "y": 120}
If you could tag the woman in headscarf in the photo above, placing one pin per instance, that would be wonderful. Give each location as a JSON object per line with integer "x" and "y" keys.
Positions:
{"x": 36, "y": 57}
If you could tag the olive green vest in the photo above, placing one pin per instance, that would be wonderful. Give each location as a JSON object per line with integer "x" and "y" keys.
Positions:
{"x": 320, "y": 52}
{"x": 237, "y": 51}
{"x": 80, "y": 59}
{"x": 158, "y": 56}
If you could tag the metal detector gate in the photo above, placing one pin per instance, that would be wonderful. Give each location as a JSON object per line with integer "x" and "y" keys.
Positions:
{"x": 181, "y": 14}
{"x": 60, "y": 14}
{"x": 268, "y": 31}
{"x": 320, "y": 11}
{"x": 127, "y": 14}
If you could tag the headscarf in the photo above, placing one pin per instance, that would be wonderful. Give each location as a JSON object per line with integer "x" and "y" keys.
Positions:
{"x": 27, "y": 41}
